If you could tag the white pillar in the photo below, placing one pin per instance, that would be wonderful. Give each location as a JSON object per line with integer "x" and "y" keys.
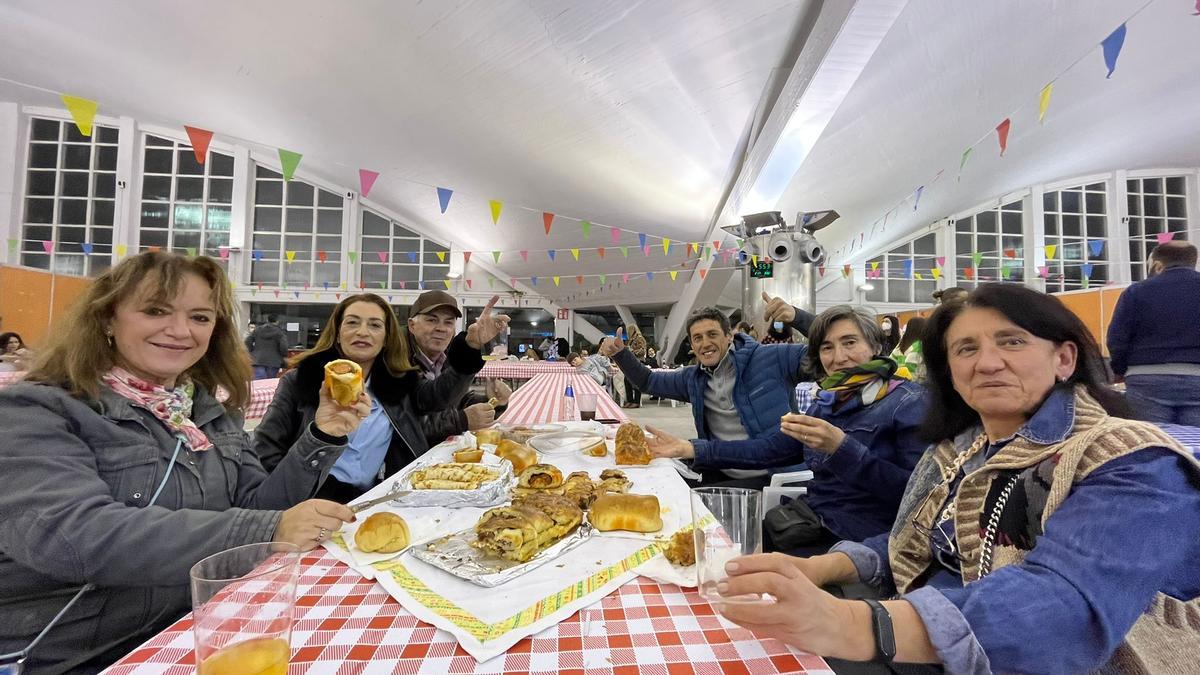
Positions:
{"x": 10, "y": 201}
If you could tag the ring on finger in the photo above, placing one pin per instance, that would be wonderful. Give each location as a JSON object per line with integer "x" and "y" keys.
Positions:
{"x": 322, "y": 534}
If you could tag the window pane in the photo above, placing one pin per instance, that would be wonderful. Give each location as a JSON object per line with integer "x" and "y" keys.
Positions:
{"x": 987, "y": 243}
{"x": 214, "y": 240}
{"x": 189, "y": 189}
{"x": 1153, "y": 206}
{"x": 268, "y": 219}
{"x": 374, "y": 244}
{"x": 158, "y": 141}
{"x": 963, "y": 243}
{"x": 102, "y": 212}
{"x": 297, "y": 243}
{"x": 218, "y": 219}
{"x": 406, "y": 272}
{"x": 1050, "y": 201}
{"x": 188, "y": 216}
{"x": 1152, "y": 186}
{"x": 72, "y": 211}
{"x": 331, "y": 245}
{"x": 1176, "y": 207}
{"x": 105, "y": 185}
{"x": 154, "y": 214}
{"x": 1071, "y": 226}
{"x": 220, "y": 191}
{"x": 44, "y": 130}
{"x": 41, "y": 183}
{"x": 398, "y": 231}
{"x": 1095, "y": 227}
{"x": 1071, "y": 201}
{"x": 102, "y": 235}
{"x": 43, "y": 156}
{"x": 299, "y": 194}
{"x": 39, "y": 210}
{"x": 188, "y": 164}
{"x": 73, "y": 135}
{"x": 329, "y": 222}
{"x": 372, "y": 274}
{"x": 299, "y": 220}
{"x": 1095, "y": 203}
{"x": 268, "y": 192}
{"x": 184, "y": 240}
{"x": 264, "y": 272}
{"x": 328, "y": 272}
{"x": 77, "y": 157}
{"x": 152, "y": 238}
{"x": 1175, "y": 185}
{"x": 268, "y": 244}
{"x": 107, "y": 135}
{"x": 106, "y": 158}
{"x": 327, "y": 198}
{"x": 157, "y": 161}
{"x": 373, "y": 225}
{"x": 75, "y": 183}
{"x": 72, "y": 234}
{"x": 263, "y": 172}
{"x": 219, "y": 164}
{"x": 1135, "y": 205}
{"x": 986, "y": 221}
{"x": 157, "y": 188}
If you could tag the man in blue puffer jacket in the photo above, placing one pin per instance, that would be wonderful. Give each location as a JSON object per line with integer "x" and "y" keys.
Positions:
{"x": 738, "y": 391}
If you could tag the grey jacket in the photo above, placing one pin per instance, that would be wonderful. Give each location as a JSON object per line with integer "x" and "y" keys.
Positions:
{"x": 598, "y": 368}
{"x": 77, "y": 478}
{"x": 268, "y": 346}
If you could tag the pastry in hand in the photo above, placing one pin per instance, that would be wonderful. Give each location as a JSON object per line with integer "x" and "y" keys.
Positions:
{"x": 580, "y": 489}
{"x": 631, "y": 445}
{"x": 682, "y": 549}
{"x": 345, "y": 380}
{"x": 635, "y": 513}
{"x": 470, "y": 456}
{"x": 540, "y": 476}
{"x": 452, "y": 477}
{"x": 382, "y": 533}
{"x": 520, "y": 456}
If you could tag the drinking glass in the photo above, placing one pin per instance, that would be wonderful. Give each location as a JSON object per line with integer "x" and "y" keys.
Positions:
{"x": 728, "y": 523}
{"x": 243, "y": 602}
{"x": 587, "y": 406}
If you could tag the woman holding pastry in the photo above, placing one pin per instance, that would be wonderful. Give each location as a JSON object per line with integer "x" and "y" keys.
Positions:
{"x": 363, "y": 349}
{"x": 122, "y": 469}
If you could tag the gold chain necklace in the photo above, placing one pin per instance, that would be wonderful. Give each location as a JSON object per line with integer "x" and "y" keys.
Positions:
{"x": 951, "y": 472}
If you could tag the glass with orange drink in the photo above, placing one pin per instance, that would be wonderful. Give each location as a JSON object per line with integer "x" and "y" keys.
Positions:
{"x": 243, "y": 602}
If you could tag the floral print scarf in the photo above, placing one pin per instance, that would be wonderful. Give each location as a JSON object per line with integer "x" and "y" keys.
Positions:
{"x": 172, "y": 406}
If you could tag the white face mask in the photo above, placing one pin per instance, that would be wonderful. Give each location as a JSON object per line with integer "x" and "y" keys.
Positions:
{"x": 887, "y": 325}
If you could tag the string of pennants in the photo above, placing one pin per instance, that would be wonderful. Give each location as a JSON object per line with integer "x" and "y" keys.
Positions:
{"x": 83, "y": 112}
{"x": 1110, "y": 50}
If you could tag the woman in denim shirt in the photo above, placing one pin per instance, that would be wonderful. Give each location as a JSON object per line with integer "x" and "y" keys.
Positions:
{"x": 859, "y": 436}
{"x": 1042, "y": 533}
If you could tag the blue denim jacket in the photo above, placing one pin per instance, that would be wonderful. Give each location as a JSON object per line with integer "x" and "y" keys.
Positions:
{"x": 857, "y": 489}
{"x": 1126, "y": 532}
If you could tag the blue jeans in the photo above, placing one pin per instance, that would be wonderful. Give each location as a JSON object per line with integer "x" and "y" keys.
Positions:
{"x": 1165, "y": 399}
{"x": 265, "y": 372}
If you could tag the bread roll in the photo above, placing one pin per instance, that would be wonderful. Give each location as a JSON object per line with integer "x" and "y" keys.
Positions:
{"x": 631, "y": 445}
{"x": 540, "y": 476}
{"x": 345, "y": 380}
{"x": 635, "y": 513}
{"x": 382, "y": 533}
{"x": 519, "y": 455}
{"x": 468, "y": 456}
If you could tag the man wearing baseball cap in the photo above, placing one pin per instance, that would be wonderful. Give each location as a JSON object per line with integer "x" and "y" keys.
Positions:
{"x": 431, "y": 325}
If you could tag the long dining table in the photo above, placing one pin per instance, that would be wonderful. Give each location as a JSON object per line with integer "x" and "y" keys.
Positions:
{"x": 347, "y": 624}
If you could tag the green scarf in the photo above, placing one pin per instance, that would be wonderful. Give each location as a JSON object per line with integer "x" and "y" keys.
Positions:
{"x": 870, "y": 379}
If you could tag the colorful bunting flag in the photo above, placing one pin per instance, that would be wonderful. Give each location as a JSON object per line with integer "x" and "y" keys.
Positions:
{"x": 470, "y": 283}
{"x": 704, "y": 272}
{"x": 12, "y": 244}
{"x": 524, "y": 256}
{"x": 1044, "y": 101}
{"x": 466, "y": 257}
{"x": 223, "y": 251}
{"x": 288, "y": 161}
{"x": 200, "y": 139}
{"x": 602, "y": 278}
{"x": 918, "y": 276}
{"x": 1010, "y": 253}
{"x": 412, "y": 256}
{"x": 575, "y": 254}
{"x": 534, "y": 280}
{"x": 666, "y": 246}
{"x": 83, "y": 111}
{"x": 616, "y": 235}
{"x": 821, "y": 271}
{"x": 587, "y": 229}
{"x": 579, "y": 279}
{"x": 977, "y": 258}
{"x": 600, "y": 252}
{"x": 87, "y": 249}
{"x": 937, "y": 273}
{"x": 908, "y": 268}
{"x": 190, "y": 250}
{"x": 444, "y": 195}
{"x": 1051, "y": 249}
{"x": 122, "y": 249}
{"x": 969, "y": 272}
{"x": 551, "y": 253}
{"x": 1005, "y": 271}
{"x": 354, "y": 256}
{"x": 916, "y": 203}
{"x": 441, "y": 256}
{"x": 1096, "y": 246}
{"x": 547, "y": 220}
{"x": 1164, "y": 237}
{"x": 649, "y": 276}
{"x": 874, "y": 266}
{"x": 496, "y": 256}
{"x": 496, "y": 205}
{"x": 845, "y": 271}
{"x": 366, "y": 181}
{"x": 1112, "y": 49}
{"x": 1002, "y": 134}
{"x": 447, "y": 283}
{"x": 1087, "y": 269}
{"x": 555, "y": 280}
{"x": 674, "y": 274}
{"x": 963, "y": 162}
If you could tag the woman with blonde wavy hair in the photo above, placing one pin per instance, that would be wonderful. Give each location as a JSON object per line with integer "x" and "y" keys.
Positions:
{"x": 122, "y": 469}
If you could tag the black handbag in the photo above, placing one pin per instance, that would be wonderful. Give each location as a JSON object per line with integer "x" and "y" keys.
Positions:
{"x": 793, "y": 525}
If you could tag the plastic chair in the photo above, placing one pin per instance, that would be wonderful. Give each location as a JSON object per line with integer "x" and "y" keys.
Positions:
{"x": 782, "y": 486}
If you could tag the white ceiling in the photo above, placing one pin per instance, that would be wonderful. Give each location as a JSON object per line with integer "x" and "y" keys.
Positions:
{"x": 948, "y": 73}
{"x": 624, "y": 113}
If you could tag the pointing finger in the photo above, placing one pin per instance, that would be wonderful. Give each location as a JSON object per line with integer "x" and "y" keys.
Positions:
{"x": 766, "y": 298}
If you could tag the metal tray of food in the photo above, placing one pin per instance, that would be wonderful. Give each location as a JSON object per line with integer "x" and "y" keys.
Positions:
{"x": 491, "y": 493}
{"x": 455, "y": 554}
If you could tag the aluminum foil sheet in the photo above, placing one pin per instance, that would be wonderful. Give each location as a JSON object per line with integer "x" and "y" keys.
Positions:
{"x": 492, "y": 493}
{"x": 455, "y": 554}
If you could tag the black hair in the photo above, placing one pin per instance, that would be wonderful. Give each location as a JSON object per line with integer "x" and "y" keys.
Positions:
{"x": 272, "y": 318}
{"x": 891, "y": 336}
{"x": 708, "y": 314}
{"x": 913, "y": 331}
{"x": 1042, "y": 315}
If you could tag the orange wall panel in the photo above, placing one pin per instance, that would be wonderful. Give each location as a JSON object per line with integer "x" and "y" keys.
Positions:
{"x": 32, "y": 300}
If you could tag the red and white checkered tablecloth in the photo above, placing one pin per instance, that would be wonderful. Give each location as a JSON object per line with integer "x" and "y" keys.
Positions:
{"x": 540, "y": 400}
{"x": 522, "y": 370}
{"x": 348, "y": 625}
{"x": 261, "y": 393}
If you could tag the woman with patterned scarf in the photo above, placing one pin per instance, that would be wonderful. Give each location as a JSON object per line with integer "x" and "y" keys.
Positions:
{"x": 858, "y": 436}
{"x": 1043, "y": 532}
{"x": 122, "y": 468}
